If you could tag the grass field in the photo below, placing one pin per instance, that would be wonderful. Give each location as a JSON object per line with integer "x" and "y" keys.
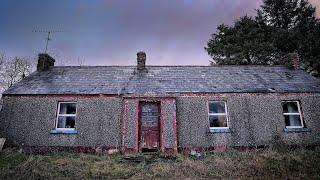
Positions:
{"x": 298, "y": 164}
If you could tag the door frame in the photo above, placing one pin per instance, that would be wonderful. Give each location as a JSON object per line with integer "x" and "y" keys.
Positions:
{"x": 130, "y": 123}
{"x": 158, "y": 103}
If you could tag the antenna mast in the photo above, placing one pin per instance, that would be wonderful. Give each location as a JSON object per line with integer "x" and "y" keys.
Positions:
{"x": 49, "y": 32}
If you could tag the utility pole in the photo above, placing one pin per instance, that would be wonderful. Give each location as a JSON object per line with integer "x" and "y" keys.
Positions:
{"x": 49, "y": 32}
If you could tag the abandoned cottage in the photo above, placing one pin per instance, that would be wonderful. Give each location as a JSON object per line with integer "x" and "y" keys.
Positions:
{"x": 161, "y": 108}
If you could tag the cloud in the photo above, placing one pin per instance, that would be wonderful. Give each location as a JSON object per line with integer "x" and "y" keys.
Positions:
{"x": 172, "y": 32}
{"x": 111, "y": 32}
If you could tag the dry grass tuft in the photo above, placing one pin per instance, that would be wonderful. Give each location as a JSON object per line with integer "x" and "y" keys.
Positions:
{"x": 233, "y": 164}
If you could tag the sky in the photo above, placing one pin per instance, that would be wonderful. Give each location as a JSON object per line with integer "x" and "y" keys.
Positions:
{"x": 111, "y": 32}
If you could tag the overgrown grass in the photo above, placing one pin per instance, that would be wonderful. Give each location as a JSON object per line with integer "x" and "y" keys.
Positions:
{"x": 298, "y": 164}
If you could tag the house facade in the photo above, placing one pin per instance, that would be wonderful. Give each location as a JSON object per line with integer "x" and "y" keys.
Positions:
{"x": 160, "y": 108}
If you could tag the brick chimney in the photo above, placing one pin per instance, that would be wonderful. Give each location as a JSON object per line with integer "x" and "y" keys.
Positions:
{"x": 141, "y": 60}
{"x": 45, "y": 62}
{"x": 292, "y": 60}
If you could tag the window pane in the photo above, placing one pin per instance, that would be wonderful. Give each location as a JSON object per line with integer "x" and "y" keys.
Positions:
{"x": 218, "y": 121}
{"x": 149, "y": 107}
{"x": 67, "y": 108}
{"x": 290, "y": 107}
{"x": 216, "y": 107}
{"x": 66, "y": 122}
{"x": 292, "y": 120}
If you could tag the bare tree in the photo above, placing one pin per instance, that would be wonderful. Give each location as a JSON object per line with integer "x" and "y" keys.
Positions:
{"x": 13, "y": 70}
{"x": 1, "y": 66}
{"x": 1, "y": 60}
{"x": 81, "y": 61}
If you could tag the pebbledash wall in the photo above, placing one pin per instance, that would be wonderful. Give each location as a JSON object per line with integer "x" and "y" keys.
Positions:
{"x": 255, "y": 120}
{"x": 109, "y": 122}
{"x": 27, "y": 121}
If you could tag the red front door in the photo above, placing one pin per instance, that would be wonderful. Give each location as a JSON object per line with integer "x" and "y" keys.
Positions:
{"x": 149, "y": 126}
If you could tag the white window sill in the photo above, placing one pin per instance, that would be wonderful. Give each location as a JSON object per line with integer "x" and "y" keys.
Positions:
{"x": 296, "y": 130}
{"x": 222, "y": 130}
{"x": 63, "y": 131}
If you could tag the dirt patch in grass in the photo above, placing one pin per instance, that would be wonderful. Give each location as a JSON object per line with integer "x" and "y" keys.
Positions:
{"x": 233, "y": 164}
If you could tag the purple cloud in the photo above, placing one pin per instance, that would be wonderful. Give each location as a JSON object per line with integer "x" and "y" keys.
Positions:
{"x": 111, "y": 32}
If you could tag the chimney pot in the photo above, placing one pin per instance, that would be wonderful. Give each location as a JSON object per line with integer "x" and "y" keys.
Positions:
{"x": 141, "y": 60}
{"x": 292, "y": 60}
{"x": 45, "y": 62}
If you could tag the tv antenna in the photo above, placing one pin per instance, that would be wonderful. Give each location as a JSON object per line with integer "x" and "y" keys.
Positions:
{"x": 49, "y": 32}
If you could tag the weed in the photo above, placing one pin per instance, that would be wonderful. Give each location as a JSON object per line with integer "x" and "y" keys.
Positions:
{"x": 232, "y": 164}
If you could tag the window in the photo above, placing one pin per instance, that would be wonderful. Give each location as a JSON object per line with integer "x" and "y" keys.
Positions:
{"x": 292, "y": 114}
{"x": 218, "y": 115}
{"x": 66, "y": 116}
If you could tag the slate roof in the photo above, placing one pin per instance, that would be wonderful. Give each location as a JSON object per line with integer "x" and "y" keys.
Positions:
{"x": 165, "y": 80}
